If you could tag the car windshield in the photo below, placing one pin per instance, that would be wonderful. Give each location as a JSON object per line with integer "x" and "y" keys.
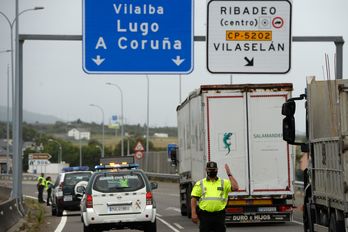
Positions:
{"x": 118, "y": 182}
{"x": 71, "y": 179}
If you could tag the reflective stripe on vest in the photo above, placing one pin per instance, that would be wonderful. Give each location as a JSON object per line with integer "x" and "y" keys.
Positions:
{"x": 221, "y": 198}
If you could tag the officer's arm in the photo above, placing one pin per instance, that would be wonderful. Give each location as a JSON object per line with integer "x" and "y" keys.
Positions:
{"x": 234, "y": 183}
{"x": 194, "y": 216}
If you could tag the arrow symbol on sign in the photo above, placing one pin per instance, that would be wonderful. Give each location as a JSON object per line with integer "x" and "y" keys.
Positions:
{"x": 98, "y": 60}
{"x": 250, "y": 62}
{"x": 178, "y": 60}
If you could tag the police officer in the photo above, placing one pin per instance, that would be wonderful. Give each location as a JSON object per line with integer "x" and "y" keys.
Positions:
{"x": 40, "y": 187}
{"x": 48, "y": 187}
{"x": 211, "y": 193}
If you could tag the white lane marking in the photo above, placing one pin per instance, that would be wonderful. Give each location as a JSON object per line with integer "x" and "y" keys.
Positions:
{"x": 167, "y": 224}
{"x": 173, "y": 208}
{"x": 297, "y": 222}
{"x": 27, "y": 196}
{"x": 62, "y": 223}
{"x": 168, "y": 194}
{"x": 178, "y": 225}
{"x": 159, "y": 215}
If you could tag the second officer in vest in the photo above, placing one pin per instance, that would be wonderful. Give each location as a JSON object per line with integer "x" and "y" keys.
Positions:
{"x": 211, "y": 194}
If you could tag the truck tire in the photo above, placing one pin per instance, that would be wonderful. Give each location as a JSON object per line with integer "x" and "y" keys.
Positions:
{"x": 183, "y": 206}
{"x": 335, "y": 226}
{"x": 188, "y": 200}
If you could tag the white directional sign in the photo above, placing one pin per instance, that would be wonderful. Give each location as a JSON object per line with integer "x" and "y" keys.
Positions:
{"x": 249, "y": 36}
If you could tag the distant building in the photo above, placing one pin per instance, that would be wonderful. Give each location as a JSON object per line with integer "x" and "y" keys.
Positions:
{"x": 161, "y": 135}
{"x": 78, "y": 133}
{"x": 3, "y": 156}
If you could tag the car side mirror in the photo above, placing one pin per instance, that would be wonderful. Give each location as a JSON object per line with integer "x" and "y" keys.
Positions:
{"x": 154, "y": 185}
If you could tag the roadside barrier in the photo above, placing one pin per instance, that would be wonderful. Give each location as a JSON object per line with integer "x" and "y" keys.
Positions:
{"x": 9, "y": 214}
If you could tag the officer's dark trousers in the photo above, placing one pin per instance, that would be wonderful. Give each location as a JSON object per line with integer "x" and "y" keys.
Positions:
{"x": 49, "y": 199}
{"x": 211, "y": 222}
{"x": 40, "y": 195}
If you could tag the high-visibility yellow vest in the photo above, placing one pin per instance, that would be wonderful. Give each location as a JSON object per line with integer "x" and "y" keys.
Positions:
{"x": 41, "y": 181}
{"x": 213, "y": 195}
{"x": 47, "y": 184}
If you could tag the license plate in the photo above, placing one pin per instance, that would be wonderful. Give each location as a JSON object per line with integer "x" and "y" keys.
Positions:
{"x": 118, "y": 208}
{"x": 267, "y": 209}
{"x": 68, "y": 198}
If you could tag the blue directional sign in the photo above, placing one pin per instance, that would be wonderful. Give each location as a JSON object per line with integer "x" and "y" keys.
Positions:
{"x": 138, "y": 36}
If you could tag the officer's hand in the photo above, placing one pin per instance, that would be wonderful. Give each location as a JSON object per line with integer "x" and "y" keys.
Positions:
{"x": 194, "y": 218}
{"x": 228, "y": 170}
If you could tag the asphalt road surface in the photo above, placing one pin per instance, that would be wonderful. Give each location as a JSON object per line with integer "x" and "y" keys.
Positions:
{"x": 169, "y": 218}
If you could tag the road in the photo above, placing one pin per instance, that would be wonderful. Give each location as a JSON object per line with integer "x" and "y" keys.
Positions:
{"x": 168, "y": 220}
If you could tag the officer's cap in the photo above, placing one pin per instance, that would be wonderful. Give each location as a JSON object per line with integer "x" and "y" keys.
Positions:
{"x": 211, "y": 164}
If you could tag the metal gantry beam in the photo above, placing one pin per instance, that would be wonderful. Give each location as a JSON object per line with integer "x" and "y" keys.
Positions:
{"x": 17, "y": 191}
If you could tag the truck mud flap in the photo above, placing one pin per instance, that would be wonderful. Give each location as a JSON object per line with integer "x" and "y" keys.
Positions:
{"x": 258, "y": 218}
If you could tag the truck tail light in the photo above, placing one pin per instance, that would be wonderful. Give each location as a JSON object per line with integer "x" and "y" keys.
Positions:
{"x": 89, "y": 201}
{"x": 285, "y": 208}
{"x": 148, "y": 198}
{"x": 61, "y": 185}
{"x": 235, "y": 210}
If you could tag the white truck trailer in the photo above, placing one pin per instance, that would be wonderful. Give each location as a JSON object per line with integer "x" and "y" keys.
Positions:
{"x": 240, "y": 125}
{"x": 325, "y": 180}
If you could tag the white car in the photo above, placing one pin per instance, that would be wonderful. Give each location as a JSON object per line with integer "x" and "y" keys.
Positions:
{"x": 119, "y": 199}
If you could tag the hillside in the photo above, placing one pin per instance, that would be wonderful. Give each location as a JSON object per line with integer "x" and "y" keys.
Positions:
{"x": 29, "y": 117}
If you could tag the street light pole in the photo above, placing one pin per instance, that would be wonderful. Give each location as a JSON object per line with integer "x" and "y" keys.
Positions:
{"x": 60, "y": 150}
{"x": 122, "y": 116}
{"x": 11, "y": 24}
{"x": 101, "y": 109}
{"x": 148, "y": 113}
{"x": 100, "y": 149}
{"x": 7, "y": 117}
{"x": 16, "y": 100}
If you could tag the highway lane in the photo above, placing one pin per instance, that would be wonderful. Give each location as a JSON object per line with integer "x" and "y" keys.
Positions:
{"x": 169, "y": 218}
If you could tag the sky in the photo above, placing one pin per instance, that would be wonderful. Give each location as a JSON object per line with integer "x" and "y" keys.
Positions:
{"x": 55, "y": 83}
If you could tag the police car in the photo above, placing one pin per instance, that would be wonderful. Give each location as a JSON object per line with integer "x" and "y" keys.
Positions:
{"x": 119, "y": 196}
{"x": 64, "y": 195}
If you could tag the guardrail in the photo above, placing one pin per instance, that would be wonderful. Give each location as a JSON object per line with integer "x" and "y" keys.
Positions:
{"x": 163, "y": 176}
{"x": 9, "y": 214}
{"x": 299, "y": 184}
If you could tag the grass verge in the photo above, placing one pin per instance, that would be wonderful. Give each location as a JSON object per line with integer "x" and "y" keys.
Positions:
{"x": 35, "y": 216}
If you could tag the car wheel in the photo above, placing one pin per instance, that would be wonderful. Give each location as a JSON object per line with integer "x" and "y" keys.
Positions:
{"x": 53, "y": 210}
{"x": 87, "y": 228}
{"x": 151, "y": 226}
{"x": 59, "y": 211}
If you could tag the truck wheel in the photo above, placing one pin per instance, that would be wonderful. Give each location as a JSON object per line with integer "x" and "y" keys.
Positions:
{"x": 183, "y": 210}
{"x": 188, "y": 200}
{"x": 183, "y": 207}
{"x": 335, "y": 226}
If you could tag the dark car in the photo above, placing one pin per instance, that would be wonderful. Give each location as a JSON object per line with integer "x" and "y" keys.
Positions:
{"x": 64, "y": 195}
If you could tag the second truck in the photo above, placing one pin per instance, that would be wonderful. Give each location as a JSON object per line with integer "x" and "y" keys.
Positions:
{"x": 240, "y": 125}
